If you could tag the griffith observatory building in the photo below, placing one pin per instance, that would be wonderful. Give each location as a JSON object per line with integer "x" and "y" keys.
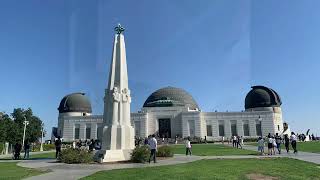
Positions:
{"x": 172, "y": 112}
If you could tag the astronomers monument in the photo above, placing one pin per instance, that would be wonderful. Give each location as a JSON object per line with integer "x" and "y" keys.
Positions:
{"x": 118, "y": 133}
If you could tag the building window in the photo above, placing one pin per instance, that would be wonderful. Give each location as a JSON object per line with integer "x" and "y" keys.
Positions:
{"x": 99, "y": 132}
{"x": 246, "y": 128}
{"x": 221, "y": 130}
{"x": 258, "y": 128}
{"x": 234, "y": 131}
{"x": 77, "y": 131}
{"x": 137, "y": 128}
{"x": 209, "y": 130}
{"x": 88, "y": 131}
{"x": 278, "y": 127}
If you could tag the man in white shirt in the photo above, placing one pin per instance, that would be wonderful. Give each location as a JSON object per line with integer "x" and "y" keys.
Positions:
{"x": 188, "y": 147}
{"x": 153, "y": 148}
{"x": 293, "y": 139}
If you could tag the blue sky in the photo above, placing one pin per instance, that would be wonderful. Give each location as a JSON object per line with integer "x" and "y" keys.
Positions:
{"x": 216, "y": 50}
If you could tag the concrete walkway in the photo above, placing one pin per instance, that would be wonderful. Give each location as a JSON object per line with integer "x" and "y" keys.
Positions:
{"x": 76, "y": 171}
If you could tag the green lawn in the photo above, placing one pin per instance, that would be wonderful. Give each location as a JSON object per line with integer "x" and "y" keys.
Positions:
{"x": 283, "y": 168}
{"x": 49, "y": 155}
{"x": 9, "y": 170}
{"x": 212, "y": 150}
{"x": 311, "y": 146}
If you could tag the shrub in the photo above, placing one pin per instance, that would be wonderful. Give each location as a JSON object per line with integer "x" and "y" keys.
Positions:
{"x": 140, "y": 154}
{"x": 165, "y": 151}
{"x": 46, "y": 147}
{"x": 250, "y": 139}
{"x": 75, "y": 156}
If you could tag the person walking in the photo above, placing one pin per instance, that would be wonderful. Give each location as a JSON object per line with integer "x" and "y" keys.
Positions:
{"x": 261, "y": 145}
{"x": 188, "y": 147}
{"x": 26, "y": 149}
{"x": 239, "y": 139}
{"x": 58, "y": 143}
{"x": 293, "y": 139}
{"x": 270, "y": 144}
{"x": 278, "y": 142}
{"x": 153, "y": 148}
{"x": 286, "y": 142}
{"x": 17, "y": 150}
{"x": 234, "y": 141}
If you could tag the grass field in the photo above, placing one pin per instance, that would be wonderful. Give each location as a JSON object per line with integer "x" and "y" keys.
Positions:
{"x": 280, "y": 168}
{"x": 212, "y": 150}
{"x": 49, "y": 155}
{"x": 9, "y": 170}
{"x": 312, "y": 146}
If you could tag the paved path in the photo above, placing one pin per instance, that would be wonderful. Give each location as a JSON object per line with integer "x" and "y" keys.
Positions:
{"x": 76, "y": 171}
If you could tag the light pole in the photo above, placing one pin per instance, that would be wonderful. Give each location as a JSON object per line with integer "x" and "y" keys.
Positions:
{"x": 260, "y": 120}
{"x": 41, "y": 145}
{"x": 25, "y": 122}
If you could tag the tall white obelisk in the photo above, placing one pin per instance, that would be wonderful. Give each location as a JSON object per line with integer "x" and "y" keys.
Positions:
{"x": 118, "y": 133}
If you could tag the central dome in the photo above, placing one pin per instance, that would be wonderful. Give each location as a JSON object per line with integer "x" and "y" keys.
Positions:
{"x": 171, "y": 96}
{"x": 261, "y": 96}
{"x": 75, "y": 102}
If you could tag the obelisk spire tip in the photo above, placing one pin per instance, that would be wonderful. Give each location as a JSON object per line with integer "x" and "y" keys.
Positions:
{"x": 119, "y": 29}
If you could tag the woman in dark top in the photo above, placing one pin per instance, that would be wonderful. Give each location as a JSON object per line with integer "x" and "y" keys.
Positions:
{"x": 286, "y": 142}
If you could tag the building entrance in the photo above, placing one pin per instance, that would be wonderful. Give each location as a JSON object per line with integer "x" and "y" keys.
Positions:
{"x": 165, "y": 128}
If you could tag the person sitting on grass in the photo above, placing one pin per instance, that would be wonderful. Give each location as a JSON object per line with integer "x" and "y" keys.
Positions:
{"x": 188, "y": 147}
{"x": 261, "y": 145}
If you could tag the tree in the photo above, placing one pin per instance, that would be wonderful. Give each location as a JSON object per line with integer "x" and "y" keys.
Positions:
{"x": 11, "y": 129}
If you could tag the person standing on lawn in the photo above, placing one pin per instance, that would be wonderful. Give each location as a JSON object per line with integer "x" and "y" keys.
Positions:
{"x": 153, "y": 148}
{"x": 261, "y": 145}
{"x": 278, "y": 142}
{"x": 234, "y": 141}
{"x": 239, "y": 140}
{"x": 58, "y": 143}
{"x": 188, "y": 147}
{"x": 270, "y": 144}
{"x": 26, "y": 149}
{"x": 286, "y": 142}
{"x": 293, "y": 139}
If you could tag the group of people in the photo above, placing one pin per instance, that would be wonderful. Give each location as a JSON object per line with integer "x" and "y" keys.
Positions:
{"x": 237, "y": 141}
{"x": 90, "y": 145}
{"x": 274, "y": 142}
{"x": 18, "y": 148}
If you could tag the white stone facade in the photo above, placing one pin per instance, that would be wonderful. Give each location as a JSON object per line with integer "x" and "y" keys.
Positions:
{"x": 183, "y": 123}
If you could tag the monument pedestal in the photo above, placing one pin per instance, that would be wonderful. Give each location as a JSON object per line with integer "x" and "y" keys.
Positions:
{"x": 117, "y": 143}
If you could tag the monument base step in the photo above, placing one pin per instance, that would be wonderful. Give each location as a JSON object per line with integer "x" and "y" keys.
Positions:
{"x": 114, "y": 155}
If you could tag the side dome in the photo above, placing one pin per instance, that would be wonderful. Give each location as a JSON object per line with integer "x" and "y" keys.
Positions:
{"x": 171, "y": 96}
{"x": 75, "y": 102}
{"x": 261, "y": 96}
